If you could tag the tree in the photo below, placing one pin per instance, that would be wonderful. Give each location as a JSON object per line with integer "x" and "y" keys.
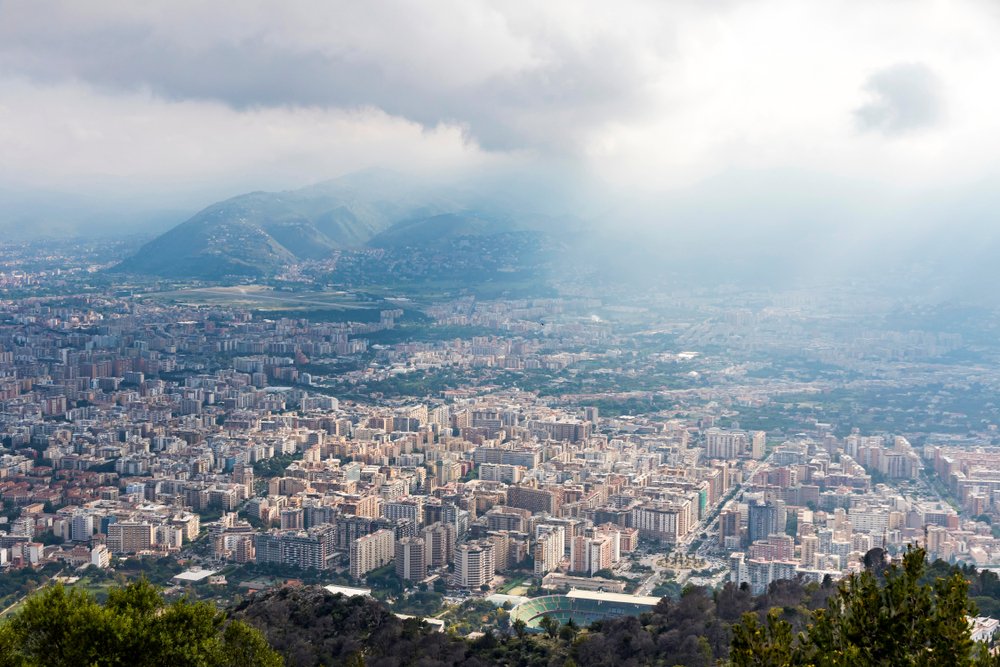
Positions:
{"x": 756, "y": 645}
{"x": 549, "y": 625}
{"x": 873, "y": 619}
{"x": 245, "y": 646}
{"x": 568, "y": 632}
{"x": 61, "y": 627}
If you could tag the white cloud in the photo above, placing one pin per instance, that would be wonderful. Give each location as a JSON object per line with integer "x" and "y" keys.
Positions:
{"x": 904, "y": 98}
{"x": 201, "y": 98}
{"x": 72, "y": 138}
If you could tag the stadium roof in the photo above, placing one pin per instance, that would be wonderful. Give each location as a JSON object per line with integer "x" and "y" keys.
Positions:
{"x": 349, "y": 591}
{"x": 194, "y": 576}
{"x": 620, "y": 598}
{"x": 499, "y": 599}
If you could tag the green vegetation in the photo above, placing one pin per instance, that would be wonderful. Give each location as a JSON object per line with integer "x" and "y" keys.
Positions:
{"x": 475, "y": 616}
{"x": 274, "y": 466}
{"x": 15, "y": 584}
{"x": 135, "y": 626}
{"x": 155, "y": 570}
{"x": 419, "y": 603}
{"x": 897, "y": 619}
{"x": 384, "y": 582}
{"x": 322, "y": 314}
{"x": 933, "y": 408}
{"x": 667, "y": 589}
{"x": 418, "y": 384}
{"x": 425, "y": 333}
{"x": 913, "y": 614}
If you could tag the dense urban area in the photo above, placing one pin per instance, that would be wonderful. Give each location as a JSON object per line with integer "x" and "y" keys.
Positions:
{"x": 491, "y": 334}
{"x": 481, "y": 462}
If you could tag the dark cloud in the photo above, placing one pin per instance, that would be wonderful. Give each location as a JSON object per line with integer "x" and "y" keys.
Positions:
{"x": 547, "y": 103}
{"x": 903, "y": 98}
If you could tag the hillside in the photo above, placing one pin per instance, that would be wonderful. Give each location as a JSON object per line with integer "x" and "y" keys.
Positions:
{"x": 437, "y": 228}
{"x": 257, "y": 233}
{"x": 909, "y": 613}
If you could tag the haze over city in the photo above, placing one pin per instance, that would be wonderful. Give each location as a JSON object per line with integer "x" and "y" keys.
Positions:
{"x": 879, "y": 118}
{"x": 499, "y": 333}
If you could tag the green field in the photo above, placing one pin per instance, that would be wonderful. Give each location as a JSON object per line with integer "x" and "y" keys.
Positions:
{"x": 259, "y": 297}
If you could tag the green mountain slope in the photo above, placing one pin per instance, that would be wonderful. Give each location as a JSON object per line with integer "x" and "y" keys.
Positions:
{"x": 257, "y": 233}
{"x": 442, "y": 227}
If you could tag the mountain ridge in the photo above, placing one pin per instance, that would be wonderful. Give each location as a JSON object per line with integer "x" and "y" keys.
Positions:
{"x": 257, "y": 233}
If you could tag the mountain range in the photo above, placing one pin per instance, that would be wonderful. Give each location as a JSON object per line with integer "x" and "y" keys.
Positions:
{"x": 750, "y": 237}
{"x": 257, "y": 233}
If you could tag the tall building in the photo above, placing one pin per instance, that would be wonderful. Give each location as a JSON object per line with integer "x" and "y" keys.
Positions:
{"x": 571, "y": 431}
{"x": 592, "y": 554}
{"x": 129, "y": 537}
{"x": 810, "y": 547}
{"x": 501, "y": 472}
{"x": 243, "y": 474}
{"x": 550, "y": 547}
{"x": 411, "y": 508}
{"x": 446, "y": 471}
{"x": 503, "y": 517}
{"x": 293, "y": 519}
{"x": 411, "y": 560}
{"x": 100, "y": 556}
{"x": 439, "y": 541}
{"x": 305, "y": 549}
{"x": 350, "y": 528}
{"x": 773, "y": 547}
{"x": 501, "y": 549}
{"x": 757, "y": 573}
{"x": 729, "y": 529}
{"x": 447, "y": 512}
{"x": 666, "y": 522}
{"x": 535, "y": 501}
{"x": 764, "y": 520}
{"x": 372, "y": 552}
{"x": 721, "y": 444}
{"x": 82, "y": 527}
{"x": 475, "y": 564}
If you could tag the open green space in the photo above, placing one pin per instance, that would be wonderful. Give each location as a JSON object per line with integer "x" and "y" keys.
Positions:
{"x": 260, "y": 297}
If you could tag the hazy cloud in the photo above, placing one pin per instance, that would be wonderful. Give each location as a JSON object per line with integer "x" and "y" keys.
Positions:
{"x": 511, "y": 82}
{"x": 904, "y": 97}
{"x": 186, "y": 101}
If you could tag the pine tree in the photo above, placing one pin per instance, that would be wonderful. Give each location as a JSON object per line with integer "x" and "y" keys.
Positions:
{"x": 63, "y": 627}
{"x": 873, "y": 620}
{"x": 756, "y": 645}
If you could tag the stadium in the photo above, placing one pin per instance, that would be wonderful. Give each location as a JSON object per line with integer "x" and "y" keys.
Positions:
{"x": 584, "y": 607}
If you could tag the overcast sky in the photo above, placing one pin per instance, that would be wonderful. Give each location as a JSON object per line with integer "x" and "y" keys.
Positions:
{"x": 185, "y": 102}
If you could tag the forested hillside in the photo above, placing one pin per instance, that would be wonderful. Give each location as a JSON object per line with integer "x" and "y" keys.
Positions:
{"x": 909, "y": 614}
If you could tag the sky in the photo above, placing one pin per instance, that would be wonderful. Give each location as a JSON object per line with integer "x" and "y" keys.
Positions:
{"x": 871, "y": 109}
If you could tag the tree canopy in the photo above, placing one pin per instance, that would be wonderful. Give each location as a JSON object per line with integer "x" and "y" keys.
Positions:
{"x": 895, "y": 618}
{"x": 910, "y": 614}
{"x": 67, "y": 627}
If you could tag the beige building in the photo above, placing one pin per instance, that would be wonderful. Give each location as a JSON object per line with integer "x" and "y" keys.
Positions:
{"x": 371, "y": 552}
{"x": 129, "y": 537}
{"x": 474, "y": 564}
{"x": 439, "y": 542}
{"x": 411, "y": 561}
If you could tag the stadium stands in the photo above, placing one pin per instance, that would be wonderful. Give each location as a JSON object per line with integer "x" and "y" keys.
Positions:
{"x": 584, "y": 607}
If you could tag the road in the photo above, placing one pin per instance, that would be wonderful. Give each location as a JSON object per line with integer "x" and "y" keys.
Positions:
{"x": 705, "y": 549}
{"x": 27, "y": 595}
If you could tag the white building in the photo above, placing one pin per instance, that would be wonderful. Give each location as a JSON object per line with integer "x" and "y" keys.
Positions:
{"x": 475, "y": 564}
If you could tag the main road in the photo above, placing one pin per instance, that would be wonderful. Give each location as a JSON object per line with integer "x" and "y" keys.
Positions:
{"x": 686, "y": 546}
